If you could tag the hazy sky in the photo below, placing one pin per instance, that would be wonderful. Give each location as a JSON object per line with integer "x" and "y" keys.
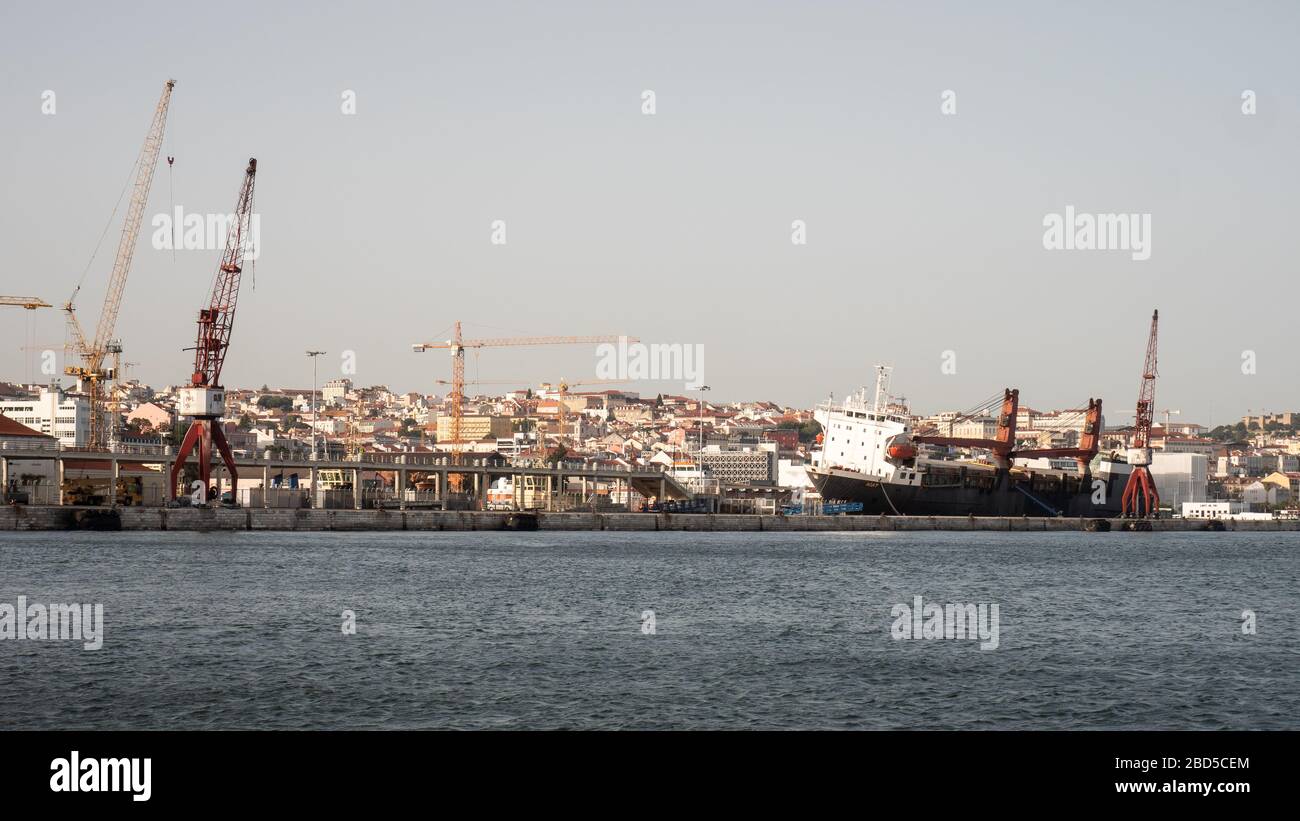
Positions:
{"x": 925, "y": 231}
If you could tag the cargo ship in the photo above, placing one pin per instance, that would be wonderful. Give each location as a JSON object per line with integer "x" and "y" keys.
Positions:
{"x": 871, "y": 453}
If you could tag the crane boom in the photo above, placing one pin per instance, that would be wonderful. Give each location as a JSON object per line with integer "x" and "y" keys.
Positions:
{"x": 1146, "y": 405}
{"x": 1003, "y": 446}
{"x": 31, "y": 303}
{"x": 134, "y": 217}
{"x": 518, "y": 340}
{"x": 93, "y": 351}
{"x": 217, "y": 320}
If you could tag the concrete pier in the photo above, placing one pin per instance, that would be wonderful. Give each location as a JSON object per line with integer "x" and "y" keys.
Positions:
{"x": 68, "y": 517}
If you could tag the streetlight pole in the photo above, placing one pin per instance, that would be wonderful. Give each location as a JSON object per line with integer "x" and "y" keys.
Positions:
{"x": 313, "y": 355}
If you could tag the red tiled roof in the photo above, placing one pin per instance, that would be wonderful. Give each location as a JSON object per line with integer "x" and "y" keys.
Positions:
{"x": 9, "y": 427}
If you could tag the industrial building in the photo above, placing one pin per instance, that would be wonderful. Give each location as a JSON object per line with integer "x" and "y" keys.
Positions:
{"x": 64, "y": 416}
{"x": 740, "y": 467}
{"x": 1180, "y": 477}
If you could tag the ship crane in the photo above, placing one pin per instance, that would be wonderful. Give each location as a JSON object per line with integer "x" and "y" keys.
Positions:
{"x": 1141, "y": 500}
{"x": 91, "y": 373}
{"x": 1089, "y": 442}
{"x": 1002, "y": 446}
{"x": 205, "y": 399}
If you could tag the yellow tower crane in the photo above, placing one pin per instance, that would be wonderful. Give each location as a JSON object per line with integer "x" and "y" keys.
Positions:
{"x": 456, "y": 347}
{"x": 29, "y": 303}
{"x": 91, "y": 373}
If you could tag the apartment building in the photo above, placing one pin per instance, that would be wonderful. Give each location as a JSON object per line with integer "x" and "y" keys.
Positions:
{"x": 475, "y": 427}
{"x": 54, "y": 413}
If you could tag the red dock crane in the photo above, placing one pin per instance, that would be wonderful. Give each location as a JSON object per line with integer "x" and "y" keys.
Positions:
{"x": 205, "y": 399}
{"x": 1140, "y": 500}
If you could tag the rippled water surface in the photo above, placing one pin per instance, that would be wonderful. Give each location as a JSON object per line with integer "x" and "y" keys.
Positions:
{"x": 543, "y": 630}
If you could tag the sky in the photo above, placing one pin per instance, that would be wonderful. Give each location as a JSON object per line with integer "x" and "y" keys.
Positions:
{"x": 924, "y": 229}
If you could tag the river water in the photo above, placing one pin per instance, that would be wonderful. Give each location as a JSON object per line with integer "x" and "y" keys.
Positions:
{"x": 549, "y": 630}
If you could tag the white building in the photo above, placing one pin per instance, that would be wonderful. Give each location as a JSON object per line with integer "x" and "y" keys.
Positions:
{"x": 1185, "y": 444}
{"x": 792, "y": 473}
{"x": 1220, "y": 510}
{"x": 329, "y": 425}
{"x": 54, "y": 413}
{"x": 1242, "y": 464}
{"x": 335, "y": 391}
{"x": 1260, "y": 497}
{"x": 1210, "y": 510}
{"x": 17, "y": 476}
{"x": 978, "y": 428}
{"x": 1180, "y": 477}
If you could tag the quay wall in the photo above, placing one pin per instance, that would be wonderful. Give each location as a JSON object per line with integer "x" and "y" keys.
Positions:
{"x": 25, "y": 517}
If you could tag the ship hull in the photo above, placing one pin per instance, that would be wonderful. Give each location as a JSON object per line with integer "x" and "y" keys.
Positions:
{"x": 998, "y": 493}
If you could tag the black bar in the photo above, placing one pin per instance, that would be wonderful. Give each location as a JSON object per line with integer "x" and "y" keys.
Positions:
{"x": 212, "y": 770}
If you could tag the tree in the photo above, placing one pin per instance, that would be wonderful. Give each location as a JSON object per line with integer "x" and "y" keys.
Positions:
{"x": 274, "y": 402}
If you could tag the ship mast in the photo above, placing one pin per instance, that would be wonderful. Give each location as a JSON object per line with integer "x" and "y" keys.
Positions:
{"x": 882, "y": 388}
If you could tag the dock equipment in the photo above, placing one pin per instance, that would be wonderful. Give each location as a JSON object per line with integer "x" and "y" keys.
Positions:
{"x": 205, "y": 399}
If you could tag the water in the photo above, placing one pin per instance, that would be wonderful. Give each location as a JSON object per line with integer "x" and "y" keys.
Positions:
{"x": 543, "y": 630}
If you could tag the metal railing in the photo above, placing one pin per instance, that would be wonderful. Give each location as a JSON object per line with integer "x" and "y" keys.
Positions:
{"x": 402, "y": 459}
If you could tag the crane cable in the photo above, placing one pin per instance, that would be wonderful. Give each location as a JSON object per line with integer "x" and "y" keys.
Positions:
{"x": 82, "y": 279}
{"x": 171, "y": 197}
{"x": 171, "y": 189}
{"x": 31, "y": 347}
